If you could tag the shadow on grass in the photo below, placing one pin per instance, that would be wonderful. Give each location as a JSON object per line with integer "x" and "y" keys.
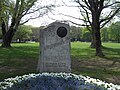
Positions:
{"x": 83, "y": 52}
{"x": 105, "y": 68}
{"x": 97, "y": 73}
{"x": 18, "y": 60}
{"x": 19, "y": 52}
{"x": 112, "y": 54}
{"x": 116, "y": 51}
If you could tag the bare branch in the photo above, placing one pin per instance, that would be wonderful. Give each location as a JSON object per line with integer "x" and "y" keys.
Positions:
{"x": 72, "y": 17}
{"x": 64, "y": 4}
{"x": 86, "y": 18}
{"x": 108, "y": 19}
{"x": 101, "y": 2}
{"x": 83, "y": 6}
{"x": 111, "y": 4}
{"x": 88, "y": 4}
{"x": 40, "y": 15}
{"x": 68, "y": 21}
{"x": 86, "y": 8}
{"x": 44, "y": 7}
{"x": 77, "y": 23}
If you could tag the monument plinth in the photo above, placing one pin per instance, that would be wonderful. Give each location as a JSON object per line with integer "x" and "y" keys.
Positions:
{"x": 55, "y": 48}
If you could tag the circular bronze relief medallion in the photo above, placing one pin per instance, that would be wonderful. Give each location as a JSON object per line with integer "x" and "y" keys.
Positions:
{"x": 61, "y": 32}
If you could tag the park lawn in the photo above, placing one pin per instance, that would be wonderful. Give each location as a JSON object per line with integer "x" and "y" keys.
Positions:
{"x": 22, "y": 59}
{"x": 105, "y": 68}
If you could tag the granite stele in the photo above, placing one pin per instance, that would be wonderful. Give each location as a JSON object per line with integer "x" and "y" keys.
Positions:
{"x": 55, "y": 48}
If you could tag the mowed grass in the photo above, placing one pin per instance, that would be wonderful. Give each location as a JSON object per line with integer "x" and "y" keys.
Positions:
{"x": 86, "y": 63}
{"x": 22, "y": 59}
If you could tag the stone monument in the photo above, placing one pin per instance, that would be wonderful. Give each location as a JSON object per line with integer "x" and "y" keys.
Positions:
{"x": 55, "y": 48}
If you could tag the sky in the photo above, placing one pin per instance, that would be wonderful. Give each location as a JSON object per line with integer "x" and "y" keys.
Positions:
{"x": 47, "y": 19}
{"x": 55, "y": 14}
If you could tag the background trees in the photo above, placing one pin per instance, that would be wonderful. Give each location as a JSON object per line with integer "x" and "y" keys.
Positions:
{"x": 75, "y": 33}
{"x": 36, "y": 33}
{"x": 108, "y": 34}
{"x": 16, "y": 11}
{"x": 114, "y": 32}
{"x": 86, "y": 35}
{"x": 104, "y": 34}
{"x": 23, "y": 33}
{"x": 94, "y": 17}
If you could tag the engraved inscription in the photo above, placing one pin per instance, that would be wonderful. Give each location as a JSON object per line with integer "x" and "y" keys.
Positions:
{"x": 56, "y": 44}
{"x": 56, "y": 58}
{"x": 55, "y": 64}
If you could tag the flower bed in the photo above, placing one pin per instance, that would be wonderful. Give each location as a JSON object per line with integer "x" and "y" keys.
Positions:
{"x": 55, "y": 81}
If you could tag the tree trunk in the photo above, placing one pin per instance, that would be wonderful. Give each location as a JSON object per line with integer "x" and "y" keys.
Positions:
{"x": 98, "y": 43}
{"x": 92, "y": 45}
{"x": 93, "y": 42}
{"x": 7, "y": 38}
{"x": 3, "y": 28}
{"x": 97, "y": 37}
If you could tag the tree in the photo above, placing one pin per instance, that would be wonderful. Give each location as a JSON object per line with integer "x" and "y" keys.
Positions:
{"x": 17, "y": 10}
{"x": 36, "y": 33}
{"x": 23, "y": 33}
{"x": 114, "y": 32}
{"x": 104, "y": 34}
{"x": 95, "y": 18}
{"x": 0, "y": 34}
{"x": 4, "y": 15}
{"x": 75, "y": 33}
{"x": 86, "y": 35}
{"x": 95, "y": 14}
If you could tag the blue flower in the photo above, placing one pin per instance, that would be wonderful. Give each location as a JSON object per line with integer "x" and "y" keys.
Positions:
{"x": 55, "y": 81}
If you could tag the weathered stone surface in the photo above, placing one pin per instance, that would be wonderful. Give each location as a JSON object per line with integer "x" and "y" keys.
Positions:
{"x": 55, "y": 48}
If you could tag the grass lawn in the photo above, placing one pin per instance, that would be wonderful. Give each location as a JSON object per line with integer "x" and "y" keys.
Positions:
{"x": 22, "y": 59}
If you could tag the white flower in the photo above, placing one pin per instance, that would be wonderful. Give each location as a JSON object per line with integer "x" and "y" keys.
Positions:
{"x": 82, "y": 79}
